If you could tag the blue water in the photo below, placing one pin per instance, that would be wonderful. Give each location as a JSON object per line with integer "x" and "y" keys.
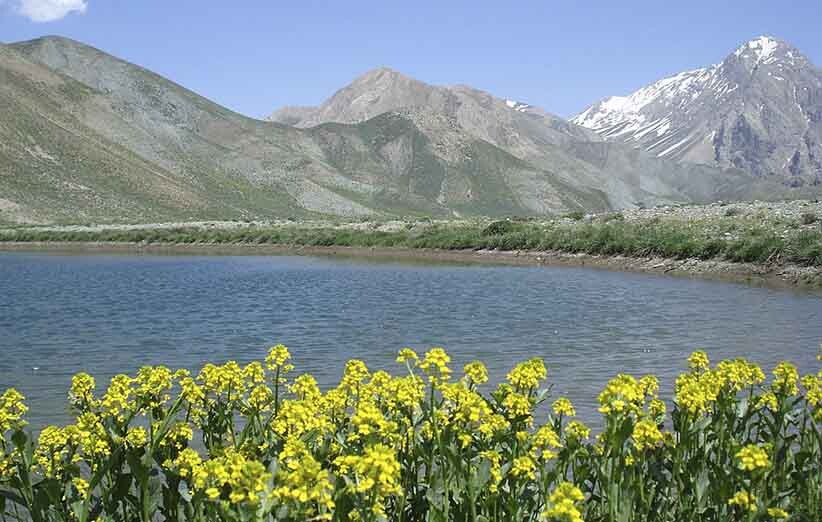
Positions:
{"x": 109, "y": 314}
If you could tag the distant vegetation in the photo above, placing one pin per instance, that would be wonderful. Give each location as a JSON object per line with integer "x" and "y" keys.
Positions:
{"x": 253, "y": 443}
{"x": 732, "y": 240}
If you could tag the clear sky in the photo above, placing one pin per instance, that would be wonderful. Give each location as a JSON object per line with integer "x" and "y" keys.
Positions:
{"x": 256, "y": 55}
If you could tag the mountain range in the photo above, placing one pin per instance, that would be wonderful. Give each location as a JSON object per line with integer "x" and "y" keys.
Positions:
{"x": 88, "y": 137}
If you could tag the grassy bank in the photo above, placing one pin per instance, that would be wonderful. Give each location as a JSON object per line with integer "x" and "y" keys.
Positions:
{"x": 256, "y": 443}
{"x": 735, "y": 240}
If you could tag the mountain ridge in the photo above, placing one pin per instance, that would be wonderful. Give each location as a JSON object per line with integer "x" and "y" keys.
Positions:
{"x": 239, "y": 167}
{"x": 88, "y": 137}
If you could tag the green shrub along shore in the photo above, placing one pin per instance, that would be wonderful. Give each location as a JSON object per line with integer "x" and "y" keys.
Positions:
{"x": 728, "y": 240}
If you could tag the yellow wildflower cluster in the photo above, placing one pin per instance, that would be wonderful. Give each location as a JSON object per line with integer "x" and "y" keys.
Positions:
{"x": 622, "y": 394}
{"x": 153, "y": 384}
{"x": 81, "y": 394}
{"x": 563, "y": 406}
{"x": 525, "y": 377}
{"x": 646, "y": 435}
{"x": 435, "y": 365}
{"x": 476, "y": 372}
{"x": 563, "y": 504}
{"x": 699, "y": 361}
{"x": 577, "y": 431}
{"x": 277, "y": 359}
{"x": 544, "y": 442}
{"x": 375, "y": 473}
{"x": 305, "y": 482}
{"x": 767, "y": 400}
{"x": 697, "y": 391}
{"x": 786, "y": 377}
{"x": 744, "y": 500}
{"x": 12, "y": 410}
{"x": 495, "y": 459}
{"x": 752, "y": 458}
{"x": 384, "y": 447}
{"x": 524, "y": 467}
{"x": 244, "y": 480}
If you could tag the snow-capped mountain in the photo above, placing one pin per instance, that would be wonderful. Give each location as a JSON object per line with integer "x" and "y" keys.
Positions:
{"x": 759, "y": 110}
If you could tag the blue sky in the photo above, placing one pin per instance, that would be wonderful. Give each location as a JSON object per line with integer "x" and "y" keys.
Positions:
{"x": 256, "y": 55}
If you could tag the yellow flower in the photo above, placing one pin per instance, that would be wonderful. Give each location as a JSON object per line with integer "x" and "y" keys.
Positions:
{"x": 305, "y": 388}
{"x": 187, "y": 464}
{"x": 90, "y": 437}
{"x": 646, "y": 435}
{"x": 261, "y": 398}
{"x": 12, "y": 411}
{"x": 777, "y": 513}
{"x": 304, "y": 481}
{"x": 278, "y": 357}
{"x": 136, "y": 437}
{"x": 649, "y": 385}
{"x": 224, "y": 382}
{"x": 116, "y": 402}
{"x": 52, "y": 452}
{"x": 355, "y": 373}
{"x": 246, "y": 480}
{"x": 376, "y": 473}
{"x": 369, "y": 420}
{"x": 527, "y": 376}
{"x": 495, "y": 423}
{"x": 476, "y": 372}
{"x": 739, "y": 374}
{"x": 656, "y": 409}
{"x": 699, "y": 361}
{"x": 696, "y": 393}
{"x": 563, "y": 504}
{"x": 785, "y": 378}
{"x": 767, "y": 400}
{"x": 435, "y": 365}
{"x": 577, "y": 430}
{"x": 546, "y": 440}
{"x": 813, "y": 389}
{"x": 752, "y": 458}
{"x": 496, "y": 469}
{"x": 81, "y": 486}
{"x": 623, "y": 393}
{"x": 563, "y": 406}
{"x": 296, "y": 418}
{"x": 153, "y": 383}
{"x": 254, "y": 373}
{"x": 82, "y": 389}
{"x": 518, "y": 407}
{"x": 744, "y": 500}
{"x": 465, "y": 440}
{"x": 407, "y": 355}
{"x": 524, "y": 467}
{"x": 177, "y": 436}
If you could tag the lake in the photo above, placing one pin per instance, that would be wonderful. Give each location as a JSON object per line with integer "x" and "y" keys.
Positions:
{"x": 108, "y": 314}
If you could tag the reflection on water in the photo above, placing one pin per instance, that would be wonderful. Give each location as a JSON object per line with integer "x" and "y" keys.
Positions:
{"x": 109, "y": 314}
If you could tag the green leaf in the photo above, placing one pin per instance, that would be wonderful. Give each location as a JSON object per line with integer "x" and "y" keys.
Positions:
{"x": 14, "y": 497}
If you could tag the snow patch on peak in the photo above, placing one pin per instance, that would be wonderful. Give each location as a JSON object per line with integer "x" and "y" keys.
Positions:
{"x": 517, "y": 106}
{"x": 761, "y": 49}
{"x": 621, "y": 109}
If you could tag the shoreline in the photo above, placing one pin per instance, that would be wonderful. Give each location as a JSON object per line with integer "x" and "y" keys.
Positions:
{"x": 779, "y": 276}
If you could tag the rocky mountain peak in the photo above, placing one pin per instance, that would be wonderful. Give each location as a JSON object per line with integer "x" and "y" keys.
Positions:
{"x": 765, "y": 51}
{"x": 758, "y": 110}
